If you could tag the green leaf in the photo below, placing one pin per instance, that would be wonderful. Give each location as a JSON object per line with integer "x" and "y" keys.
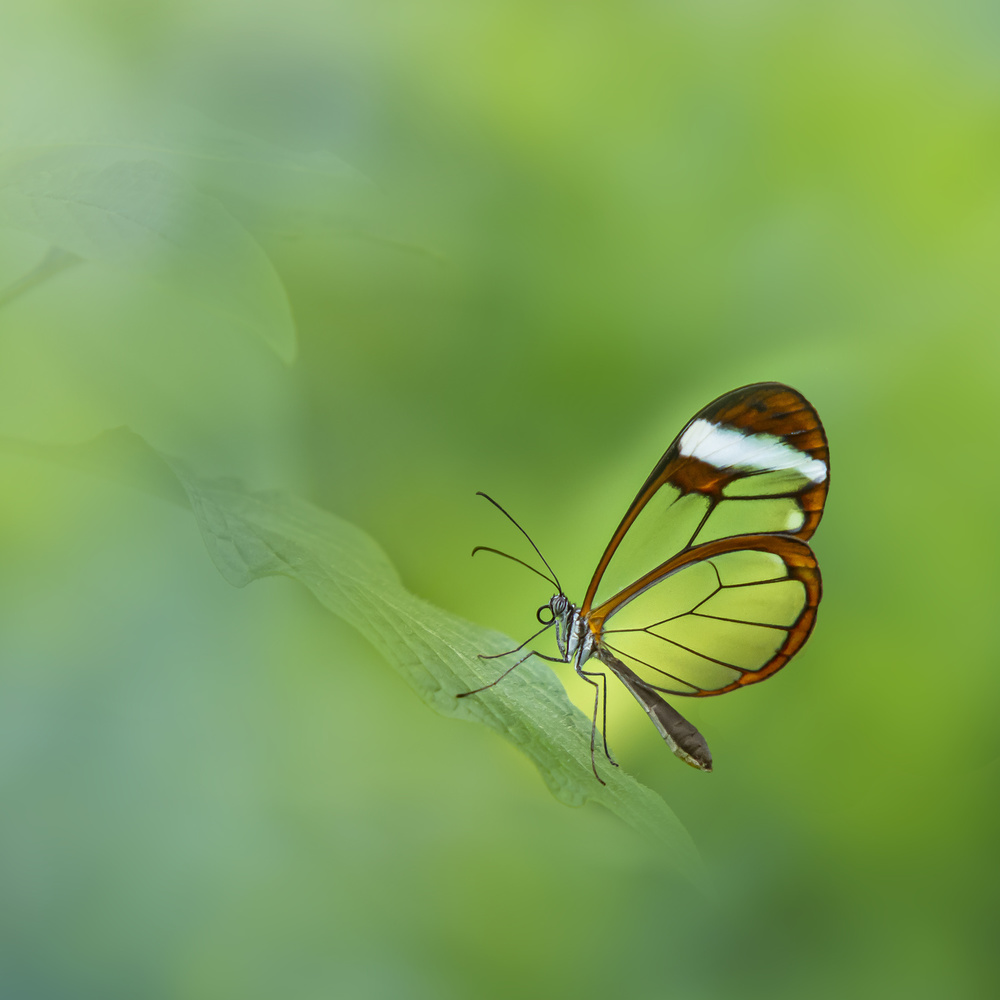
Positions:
{"x": 255, "y": 534}
{"x": 142, "y": 215}
{"x": 267, "y": 186}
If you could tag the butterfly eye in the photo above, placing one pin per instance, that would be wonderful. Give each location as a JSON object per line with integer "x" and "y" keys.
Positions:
{"x": 546, "y": 620}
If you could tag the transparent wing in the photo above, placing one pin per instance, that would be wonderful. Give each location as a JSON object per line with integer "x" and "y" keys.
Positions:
{"x": 718, "y": 616}
{"x": 754, "y": 461}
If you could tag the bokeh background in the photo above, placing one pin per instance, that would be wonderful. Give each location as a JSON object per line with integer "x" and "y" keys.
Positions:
{"x": 578, "y": 223}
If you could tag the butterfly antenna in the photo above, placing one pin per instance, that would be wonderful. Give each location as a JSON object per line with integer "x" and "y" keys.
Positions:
{"x": 486, "y": 548}
{"x": 555, "y": 579}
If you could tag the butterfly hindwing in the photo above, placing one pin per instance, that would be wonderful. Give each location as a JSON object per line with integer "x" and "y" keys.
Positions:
{"x": 719, "y": 616}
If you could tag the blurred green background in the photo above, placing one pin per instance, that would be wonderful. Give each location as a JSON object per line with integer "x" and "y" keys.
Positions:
{"x": 571, "y": 225}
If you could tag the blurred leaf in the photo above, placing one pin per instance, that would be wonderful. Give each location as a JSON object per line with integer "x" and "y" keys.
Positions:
{"x": 143, "y": 215}
{"x": 265, "y": 185}
{"x": 255, "y": 534}
{"x": 52, "y": 262}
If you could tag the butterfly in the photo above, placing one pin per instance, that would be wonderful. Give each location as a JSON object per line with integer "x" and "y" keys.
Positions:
{"x": 707, "y": 584}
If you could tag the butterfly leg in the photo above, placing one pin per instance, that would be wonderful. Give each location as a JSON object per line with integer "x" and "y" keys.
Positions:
{"x": 588, "y": 676}
{"x": 517, "y": 649}
{"x": 465, "y": 694}
{"x": 604, "y": 720}
{"x": 530, "y": 653}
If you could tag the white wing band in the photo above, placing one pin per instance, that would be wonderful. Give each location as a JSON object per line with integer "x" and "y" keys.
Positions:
{"x": 728, "y": 448}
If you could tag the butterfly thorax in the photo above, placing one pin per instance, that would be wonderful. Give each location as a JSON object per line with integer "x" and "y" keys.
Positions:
{"x": 573, "y": 635}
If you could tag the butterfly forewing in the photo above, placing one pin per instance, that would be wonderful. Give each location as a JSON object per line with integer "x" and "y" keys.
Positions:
{"x": 662, "y": 528}
{"x": 726, "y": 588}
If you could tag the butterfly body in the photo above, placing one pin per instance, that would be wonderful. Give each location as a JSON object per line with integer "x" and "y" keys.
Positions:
{"x": 574, "y": 637}
{"x": 708, "y": 583}
{"x": 578, "y": 641}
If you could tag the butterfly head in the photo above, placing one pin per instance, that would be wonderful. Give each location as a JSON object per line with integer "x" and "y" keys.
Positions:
{"x": 555, "y": 611}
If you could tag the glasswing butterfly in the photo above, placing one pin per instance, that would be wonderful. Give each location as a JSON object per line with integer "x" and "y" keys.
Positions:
{"x": 707, "y": 585}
